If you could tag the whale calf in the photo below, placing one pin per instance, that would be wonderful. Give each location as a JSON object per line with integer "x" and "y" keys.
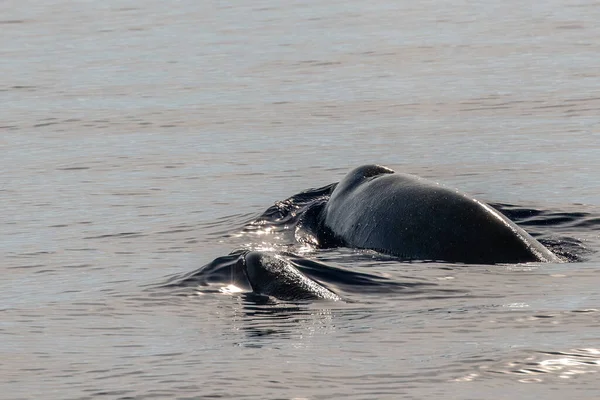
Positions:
{"x": 272, "y": 275}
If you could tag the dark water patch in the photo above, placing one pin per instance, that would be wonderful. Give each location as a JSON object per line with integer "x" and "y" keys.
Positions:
{"x": 76, "y": 266}
{"x": 110, "y": 392}
{"x": 29, "y": 266}
{"x": 27, "y": 87}
{"x": 552, "y": 106}
{"x": 176, "y": 230}
{"x": 43, "y": 124}
{"x": 588, "y": 310}
{"x": 72, "y": 168}
{"x": 130, "y": 194}
{"x": 116, "y": 235}
{"x": 45, "y": 271}
{"x": 36, "y": 253}
{"x": 485, "y": 108}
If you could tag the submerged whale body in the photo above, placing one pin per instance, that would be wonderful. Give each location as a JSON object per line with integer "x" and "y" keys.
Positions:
{"x": 273, "y": 275}
{"x": 415, "y": 219}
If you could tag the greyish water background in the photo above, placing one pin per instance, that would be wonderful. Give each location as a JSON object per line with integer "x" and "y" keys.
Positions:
{"x": 137, "y": 138}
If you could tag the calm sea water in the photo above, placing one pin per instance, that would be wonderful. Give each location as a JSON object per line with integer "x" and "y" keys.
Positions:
{"x": 138, "y": 138}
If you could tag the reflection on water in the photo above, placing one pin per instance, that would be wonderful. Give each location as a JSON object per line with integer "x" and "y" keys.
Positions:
{"x": 541, "y": 366}
{"x": 282, "y": 321}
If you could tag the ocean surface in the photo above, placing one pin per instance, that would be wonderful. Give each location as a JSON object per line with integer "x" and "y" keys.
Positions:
{"x": 138, "y": 139}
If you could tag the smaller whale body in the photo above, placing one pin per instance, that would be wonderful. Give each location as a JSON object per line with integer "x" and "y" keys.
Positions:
{"x": 271, "y": 274}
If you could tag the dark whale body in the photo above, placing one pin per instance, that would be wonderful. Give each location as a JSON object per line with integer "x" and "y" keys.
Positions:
{"x": 402, "y": 215}
{"x": 416, "y": 219}
{"x": 273, "y": 275}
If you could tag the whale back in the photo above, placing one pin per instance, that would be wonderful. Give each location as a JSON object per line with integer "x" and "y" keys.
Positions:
{"x": 414, "y": 218}
{"x": 357, "y": 177}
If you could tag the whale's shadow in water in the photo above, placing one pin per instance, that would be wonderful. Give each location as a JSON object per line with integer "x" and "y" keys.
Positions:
{"x": 288, "y": 224}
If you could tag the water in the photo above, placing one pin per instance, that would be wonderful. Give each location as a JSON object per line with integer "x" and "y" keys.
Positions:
{"x": 138, "y": 139}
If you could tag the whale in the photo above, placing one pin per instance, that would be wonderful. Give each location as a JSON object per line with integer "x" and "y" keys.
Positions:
{"x": 399, "y": 215}
{"x": 413, "y": 218}
{"x": 271, "y": 274}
